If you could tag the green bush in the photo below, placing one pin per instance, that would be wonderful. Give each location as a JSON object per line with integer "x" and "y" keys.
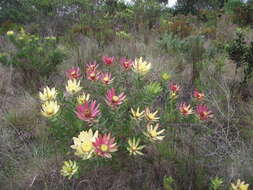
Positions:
{"x": 34, "y": 56}
{"x": 242, "y": 53}
{"x": 171, "y": 43}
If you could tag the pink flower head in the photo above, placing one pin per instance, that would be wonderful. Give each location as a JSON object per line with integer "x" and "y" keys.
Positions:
{"x": 108, "y": 60}
{"x": 198, "y": 95}
{"x": 203, "y": 112}
{"x": 73, "y": 73}
{"x": 114, "y": 100}
{"x": 106, "y": 78}
{"x": 185, "y": 109}
{"x": 126, "y": 63}
{"x": 88, "y": 111}
{"x": 104, "y": 145}
{"x": 93, "y": 75}
{"x": 92, "y": 66}
{"x": 174, "y": 87}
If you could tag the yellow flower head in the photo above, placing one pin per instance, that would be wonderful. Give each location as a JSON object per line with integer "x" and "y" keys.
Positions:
{"x": 49, "y": 108}
{"x": 165, "y": 76}
{"x": 153, "y": 134}
{"x": 240, "y": 185}
{"x": 141, "y": 67}
{"x": 10, "y": 33}
{"x": 73, "y": 86}
{"x": 69, "y": 168}
{"x": 134, "y": 148}
{"x": 151, "y": 116}
{"x": 48, "y": 94}
{"x": 83, "y": 144}
{"x": 137, "y": 114}
{"x": 82, "y": 99}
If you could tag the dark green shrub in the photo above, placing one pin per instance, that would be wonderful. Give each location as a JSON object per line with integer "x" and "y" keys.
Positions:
{"x": 242, "y": 53}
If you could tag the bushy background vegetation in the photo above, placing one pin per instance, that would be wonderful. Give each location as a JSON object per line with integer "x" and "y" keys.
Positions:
{"x": 204, "y": 45}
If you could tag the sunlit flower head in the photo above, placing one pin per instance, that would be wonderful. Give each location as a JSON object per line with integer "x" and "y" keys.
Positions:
{"x": 83, "y": 144}
{"x": 198, "y": 95}
{"x": 48, "y": 94}
{"x": 114, "y": 100}
{"x": 105, "y": 145}
{"x": 49, "y": 108}
{"x": 185, "y": 109}
{"x": 203, "y": 112}
{"x": 73, "y": 86}
{"x": 137, "y": 114}
{"x": 240, "y": 185}
{"x": 83, "y": 98}
{"x": 93, "y": 75}
{"x": 153, "y": 133}
{"x": 88, "y": 111}
{"x": 106, "y": 78}
{"x": 69, "y": 169}
{"x": 126, "y": 63}
{"x": 10, "y": 33}
{"x": 108, "y": 60}
{"x": 165, "y": 76}
{"x": 151, "y": 116}
{"x": 134, "y": 147}
{"x": 92, "y": 66}
{"x": 141, "y": 67}
{"x": 73, "y": 73}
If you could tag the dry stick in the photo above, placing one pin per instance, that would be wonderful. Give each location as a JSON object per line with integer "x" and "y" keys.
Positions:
{"x": 31, "y": 184}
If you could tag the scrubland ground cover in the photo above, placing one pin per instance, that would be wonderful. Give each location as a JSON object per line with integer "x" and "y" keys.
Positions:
{"x": 108, "y": 96}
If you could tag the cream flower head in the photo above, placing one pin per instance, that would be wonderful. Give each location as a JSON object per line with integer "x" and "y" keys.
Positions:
{"x": 73, "y": 86}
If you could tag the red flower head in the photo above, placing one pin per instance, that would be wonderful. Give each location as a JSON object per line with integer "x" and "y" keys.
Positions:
{"x": 203, "y": 112}
{"x": 73, "y": 73}
{"x": 198, "y": 95}
{"x": 108, "y": 60}
{"x": 126, "y": 63}
{"x": 174, "y": 87}
{"x": 112, "y": 99}
{"x": 93, "y": 75}
{"x": 88, "y": 111}
{"x": 185, "y": 109}
{"x": 106, "y": 78}
{"x": 92, "y": 66}
{"x": 104, "y": 145}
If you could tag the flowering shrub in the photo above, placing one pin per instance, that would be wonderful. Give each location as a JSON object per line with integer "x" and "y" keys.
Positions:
{"x": 112, "y": 108}
{"x": 34, "y": 56}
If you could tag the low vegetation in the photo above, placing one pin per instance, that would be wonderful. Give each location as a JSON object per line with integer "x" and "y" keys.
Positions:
{"x": 107, "y": 95}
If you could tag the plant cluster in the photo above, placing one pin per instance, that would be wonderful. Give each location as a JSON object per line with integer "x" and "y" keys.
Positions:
{"x": 116, "y": 112}
{"x": 33, "y": 55}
